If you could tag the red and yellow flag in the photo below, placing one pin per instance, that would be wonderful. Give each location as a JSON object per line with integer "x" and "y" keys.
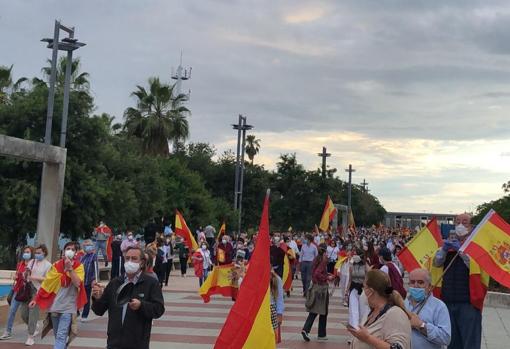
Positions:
{"x": 223, "y": 230}
{"x": 327, "y": 215}
{"x": 248, "y": 324}
{"x": 489, "y": 246}
{"x": 218, "y": 282}
{"x": 421, "y": 249}
{"x": 339, "y": 262}
{"x": 55, "y": 279}
{"x": 181, "y": 229}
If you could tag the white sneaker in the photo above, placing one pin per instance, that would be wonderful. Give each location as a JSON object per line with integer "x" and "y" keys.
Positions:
{"x": 83, "y": 319}
{"x": 6, "y": 335}
{"x": 322, "y": 338}
{"x": 30, "y": 340}
{"x": 37, "y": 328}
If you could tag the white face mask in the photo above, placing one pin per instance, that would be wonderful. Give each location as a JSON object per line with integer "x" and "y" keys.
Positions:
{"x": 69, "y": 254}
{"x": 131, "y": 267}
{"x": 204, "y": 247}
{"x": 130, "y": 237}
{"x": 224, "y": 242}
{"x": 461, "y": 230}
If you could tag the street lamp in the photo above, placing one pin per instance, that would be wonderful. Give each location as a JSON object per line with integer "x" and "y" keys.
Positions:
{"x": 68, "y": 44}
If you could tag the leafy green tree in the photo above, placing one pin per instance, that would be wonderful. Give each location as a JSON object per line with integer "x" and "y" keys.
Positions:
{"x": 252, "y": 147}
{"x": 158, "y": 118}
{"x": 6, "y": 83}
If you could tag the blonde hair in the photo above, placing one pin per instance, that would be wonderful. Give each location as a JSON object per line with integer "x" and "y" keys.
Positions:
{"x": 380, "y": 282}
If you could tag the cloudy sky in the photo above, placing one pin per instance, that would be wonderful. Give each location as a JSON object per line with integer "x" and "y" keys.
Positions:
{"x": 415, "y": 94}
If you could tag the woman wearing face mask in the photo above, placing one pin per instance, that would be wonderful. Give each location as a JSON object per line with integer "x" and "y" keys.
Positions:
{"x": 317, "y": 300}
{"x": 201, "y": 262}
{"x": 62, "y": 294}
{"x": 332, "y": 252}
{"x": 89, "y": 261}
{"x": 38, "y": 272}
{"x": 169, "y": 250}
{"x": 387, "y": 325}
{"x": 224, "y": 252}
{"x": 357, "y": 273}
{"x": 20, "y": 281}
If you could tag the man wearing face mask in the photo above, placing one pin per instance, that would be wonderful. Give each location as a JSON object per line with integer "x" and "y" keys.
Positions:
{"x": 89, "y": 261}
{"x": 62, "y": 294}
{"x": 224, "y": 252}
{"x": 308, "y": 254}
{"x": 129, "y": 324}
{"x": 462, "y": 293}
{"x": 128, "y": 242}
{"x": 430, "y": 320}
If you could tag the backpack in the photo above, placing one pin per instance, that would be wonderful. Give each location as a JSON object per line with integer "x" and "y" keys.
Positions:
{"x": 396, "y": 280}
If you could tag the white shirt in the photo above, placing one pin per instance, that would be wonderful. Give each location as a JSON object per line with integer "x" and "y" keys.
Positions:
{"x": 207, "y": 258}
{"x": 292, "y": 244}
{"x": 332, "y": 253}
{"x": 40, "y": 269}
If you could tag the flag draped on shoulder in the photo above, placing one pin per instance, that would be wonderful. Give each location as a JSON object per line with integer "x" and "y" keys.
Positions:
{"x": 287, "y": 276}
{"x": 489, "y": 246}
{"x": 248, "y": 324}
{"x": 57, "y": 278}
{"x": 219, "y": 281}
{"x": 181, "y": 229}
{"x": 327, "y": 215}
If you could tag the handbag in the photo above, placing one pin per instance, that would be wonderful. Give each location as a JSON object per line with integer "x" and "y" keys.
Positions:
{"x": 26, "y": 291}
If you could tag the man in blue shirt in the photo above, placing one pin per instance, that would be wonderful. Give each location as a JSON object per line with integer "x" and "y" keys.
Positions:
{"x": 308, "y": 254}
{"x": 430, "y": 319}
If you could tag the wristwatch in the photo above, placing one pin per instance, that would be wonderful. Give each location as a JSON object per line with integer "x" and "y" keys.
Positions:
{"x": 423, "y": 325}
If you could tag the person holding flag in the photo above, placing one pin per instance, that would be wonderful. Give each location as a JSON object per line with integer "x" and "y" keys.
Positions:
{"x": 62, "y": 294}
{"x": 463, "y": 287}
{"x": 102, "y": 234}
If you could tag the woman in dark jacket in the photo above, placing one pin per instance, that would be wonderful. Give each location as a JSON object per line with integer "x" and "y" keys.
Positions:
{"x": 317, "y": 298}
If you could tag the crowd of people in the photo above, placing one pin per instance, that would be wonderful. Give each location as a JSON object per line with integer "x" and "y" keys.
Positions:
{"x": 362, "y": 264}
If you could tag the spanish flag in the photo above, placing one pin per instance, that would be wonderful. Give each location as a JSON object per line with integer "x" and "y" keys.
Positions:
{"x": 339, "y": 262}
{"x": 327, "y": 215}
{"x": 489, "y": 246}
{"x": 287, "y": 270}
{"x": 223, "y": 230}
{"x": 248, "y": 324}
{"x": 219, "y": 281}
{"x": 57, "y": 278}
{"x": 421, "y": 249}
{"x": 181, "y": 229}
{"x": 351, "y": 219}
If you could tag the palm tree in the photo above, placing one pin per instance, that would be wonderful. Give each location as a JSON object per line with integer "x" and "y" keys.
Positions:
{"x": 79, "y": 81}
{"x": 6, "y": 84}
{"x": 159, "y": 117}
{"x": 252, "y": 147}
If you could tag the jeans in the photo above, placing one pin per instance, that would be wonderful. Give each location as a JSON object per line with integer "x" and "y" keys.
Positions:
{"x": 86, "y": 308}
{"x": 61, "y": 325}
{"x": 466, "y": 323}
{"x": 101, "y": 245}
{"x": 323, "y": 321}
{"x": 184, "y": 265}
{"x": 306, "y": 275}
{"x": 204, "y": 276}
{"x": 12, "y": 313}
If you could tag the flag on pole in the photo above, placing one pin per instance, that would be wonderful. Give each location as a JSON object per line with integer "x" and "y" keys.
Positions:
{"x": 181, "y": 229}
{"x": 223, "y": 230}
{"x": 351, "y": 219}
{"x": 109, "y": 251}
{"x": 327, "y": 215}
{"x": 421, "y": 249}
{"x": 489, "y": 246}
{"x": 248, "y": 324}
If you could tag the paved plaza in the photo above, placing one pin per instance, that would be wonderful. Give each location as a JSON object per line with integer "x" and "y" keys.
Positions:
{"x": 188, "y": 323}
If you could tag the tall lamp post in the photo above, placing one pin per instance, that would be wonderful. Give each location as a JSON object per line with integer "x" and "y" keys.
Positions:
{"x": 53, "y": 175}
{"x": 68, "y": 44}
{"x": 241, "y": 128}
{"x": 349, "y": 190}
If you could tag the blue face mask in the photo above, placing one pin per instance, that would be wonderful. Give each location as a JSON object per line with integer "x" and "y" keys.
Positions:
{"x": 27, "y": 256}
{"x": 89, "y": 248}
{"x": 39, "y": 256}
{"x": 418, "y": 294}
